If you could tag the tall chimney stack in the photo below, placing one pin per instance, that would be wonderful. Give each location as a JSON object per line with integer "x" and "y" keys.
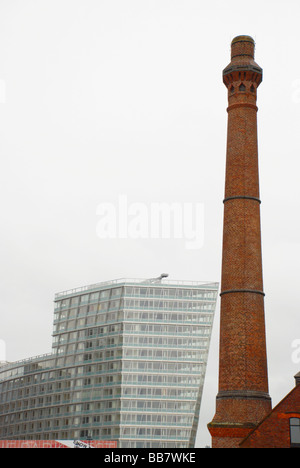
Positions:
{"x": 243, "y": 399}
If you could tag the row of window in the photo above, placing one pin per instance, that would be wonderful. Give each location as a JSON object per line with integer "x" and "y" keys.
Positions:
{"x": 157, "y": 310}
{"x": 13, "y": 412}
{"x": 159, "y": 444}
{"x": 39, "y": 432}
{"x": 124, "y": 419}
{"x": 171, "y": 342}
{"x": 242, "y": 88}
{"x": 171, "y": 305}
{"x": 166, "y": 329}
{"x": 94, "y": 344}
{"x": 170, "y": 316}
{"x": 76, "y": 344}
{"x": 163, "y": 367}
{"x": 26, "y": 402}
{"x": 156, "y": 419}
{"x": 153, "y": 379}
{"x": 111, "y": 363}
{"x": 60, "y": 374}
{"x": 130, "y": 353}
{"x": 64, "y": 397}
{"x": 127, "y": 340}
{"x": 164, "y": 354}
{"x": 98, "y": 380}
{"x": 18, "y": 379}
{"x": 78, "y": 341}
{"x": 92, "y": 297}
{"x": 164, "y": 392}
{"x": 72, "y": 325}
{"x": 50, "y": 420}
{"x": 65, "y": 385}
{"x": 148, "y": 405}
{"x": 153, "y": 433}
{"x": 80, "y": 335}
{"x": 83, "y": 311}
{"x": 137, "y": 292}
{"x": 91, "y": 320}
{"x": 170, "y": 292}
{"x": 53, "y": 432}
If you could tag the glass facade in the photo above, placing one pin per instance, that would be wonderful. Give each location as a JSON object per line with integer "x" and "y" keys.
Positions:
{"x": 128, "y": 364}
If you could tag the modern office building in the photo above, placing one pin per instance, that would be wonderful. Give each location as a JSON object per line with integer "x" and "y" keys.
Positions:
{"x": 128, "y": 364}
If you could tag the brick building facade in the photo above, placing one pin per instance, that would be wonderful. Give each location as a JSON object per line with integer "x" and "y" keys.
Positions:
{"x": 280, "y": 428}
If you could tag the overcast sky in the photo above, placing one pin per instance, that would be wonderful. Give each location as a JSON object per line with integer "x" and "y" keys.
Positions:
{"x": 107, "y": 98}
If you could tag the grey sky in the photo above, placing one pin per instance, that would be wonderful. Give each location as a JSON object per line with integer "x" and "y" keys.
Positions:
{"x": 109, "y": 97}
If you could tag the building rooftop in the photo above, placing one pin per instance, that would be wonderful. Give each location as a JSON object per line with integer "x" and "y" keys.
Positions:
{"x": 161, "y": 281}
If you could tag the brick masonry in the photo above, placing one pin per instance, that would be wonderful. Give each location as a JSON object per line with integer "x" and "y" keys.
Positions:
{"x": 243, "y": 399}
{"x": 274, "y": 430}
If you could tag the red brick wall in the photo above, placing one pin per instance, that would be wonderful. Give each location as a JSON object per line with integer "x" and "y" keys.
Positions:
{"x": 274, "y": 430}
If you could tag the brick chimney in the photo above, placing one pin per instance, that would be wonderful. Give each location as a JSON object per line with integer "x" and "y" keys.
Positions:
{"x": 243, "y": 399}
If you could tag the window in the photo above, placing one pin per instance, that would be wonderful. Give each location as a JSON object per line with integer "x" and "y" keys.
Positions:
{"x": 242, "y": 87}
{"x": 295, "y": 432}
{"x": 94, "y": 296}
{"x": 116, "y": 292}
{"x": 84, "y": 298}
{"x": 74, "y": 301}
{"x": 104, "y": 294}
